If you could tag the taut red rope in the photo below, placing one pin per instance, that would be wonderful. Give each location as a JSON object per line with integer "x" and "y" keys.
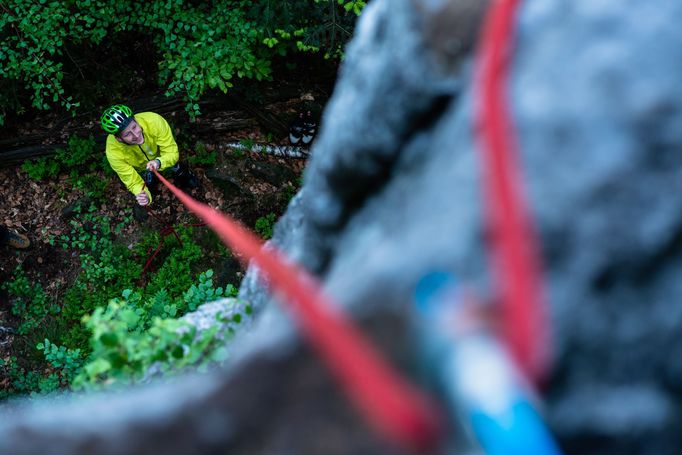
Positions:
{"x": 392, "y": 405}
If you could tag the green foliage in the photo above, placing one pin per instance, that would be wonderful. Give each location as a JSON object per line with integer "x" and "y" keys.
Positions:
{"x": 207, "y": 49}
{"x": 353, "y": 5}
{"x": 175, "y": 273}
{"x": 238, "y": 153}
{"x": 80, "y": 153}
{"x": 67, "y": 361}
{"x": 248, "y": 143}
{"x": 320, "y": 26}
{"x": 106, "y": 267}
{"x": 30, "y": 303}
{"x": 120, "y": 342}
{"x": 131, "y": 339}
{"x": 81, "y": 159}
{"x": 31, "y": 38}
{"x": 201, "y": 156}
{"x": 291, "y": 189}
{"x": 231, "y": 291}
{"x": 41, "y": 168}
{"x": 92, "y": 185}
{"x": 203, "y": 292}
{"x": 57, "y": 54}
{"x": 265, "y": 224}
{"x": 289, "y": 192}
{"x": 23, "y": 380}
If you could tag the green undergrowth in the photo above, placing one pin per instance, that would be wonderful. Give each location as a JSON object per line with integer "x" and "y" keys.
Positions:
{"x": 81, "y": 161}
{"x": 265, "y": 225}
{"x": 105, "y": 322}
{"x": 110, "y": 324}
{"x": 72, "y": 56}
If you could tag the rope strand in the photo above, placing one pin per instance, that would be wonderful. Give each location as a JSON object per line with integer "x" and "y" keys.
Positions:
{"x": 514, "y": 252}
{"x": 389, "y": 403}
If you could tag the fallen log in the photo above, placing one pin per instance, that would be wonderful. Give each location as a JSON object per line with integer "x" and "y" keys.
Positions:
{"x": 242, "y": 116}
{"x": 12, "y": 157}
{"x": 286, "y": 151}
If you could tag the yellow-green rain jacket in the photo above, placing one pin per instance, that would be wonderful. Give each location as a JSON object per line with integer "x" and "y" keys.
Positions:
{"x": 129, "y": 160}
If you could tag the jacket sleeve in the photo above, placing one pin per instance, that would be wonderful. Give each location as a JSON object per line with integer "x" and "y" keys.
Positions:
{"x": 129, "y": 176}
{"x": 168, "y": 148}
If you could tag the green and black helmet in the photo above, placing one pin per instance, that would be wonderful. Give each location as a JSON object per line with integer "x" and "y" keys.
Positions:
{"x": 116, "y": 118}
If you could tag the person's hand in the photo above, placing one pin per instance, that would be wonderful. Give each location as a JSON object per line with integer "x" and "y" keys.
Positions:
{"x": 142, "y": 199}
{"x": 153, "y": 165}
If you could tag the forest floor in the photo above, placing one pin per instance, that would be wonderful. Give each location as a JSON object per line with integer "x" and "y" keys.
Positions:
{"x": 246, "y": 185}
{"x": 39, "y": 209}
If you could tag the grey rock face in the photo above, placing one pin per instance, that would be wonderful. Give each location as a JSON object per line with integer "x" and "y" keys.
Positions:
{"x": 597, "y": 104}
{"x": 392, "y": 192}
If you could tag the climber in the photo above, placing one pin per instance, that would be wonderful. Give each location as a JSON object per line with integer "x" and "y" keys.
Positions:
{"x": 138, "y": 144}
{"x": 13, "y": 239}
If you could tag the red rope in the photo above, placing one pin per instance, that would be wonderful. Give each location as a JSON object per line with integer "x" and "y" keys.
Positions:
{"x": 165, "y": 231}
{"x": 391, "y": 405}
{"x": 514, "y": 251}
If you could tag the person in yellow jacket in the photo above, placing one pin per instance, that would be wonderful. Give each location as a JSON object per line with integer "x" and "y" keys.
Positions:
{"x": 139, "y": 143}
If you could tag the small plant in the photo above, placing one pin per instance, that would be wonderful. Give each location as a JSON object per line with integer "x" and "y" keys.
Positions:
{"x": 289, "y": 192}
{"x": 175, "y": 274}
{"x": 67, "y": 361}
{"x": 161, "y": 305}
{"x": 79, "y": 154}
{"x": 79, "y": 158}
{"x": 265, "y": 224}
{"x": 203, "y": 292}
{"x": 92, "y": 184}
{"x": 30, "y": 303}
{"x": 201, "y": 156}
{"x": 248, "y": 143}
{"x": 21, "y": 379}
{"x": 238, "y": 153}
{"x": 41, "y": 168}
{"x": 231, "y": 290}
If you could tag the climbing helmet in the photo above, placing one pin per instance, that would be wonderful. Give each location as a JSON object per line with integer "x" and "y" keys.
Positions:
{"x": 116, "y": 118}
